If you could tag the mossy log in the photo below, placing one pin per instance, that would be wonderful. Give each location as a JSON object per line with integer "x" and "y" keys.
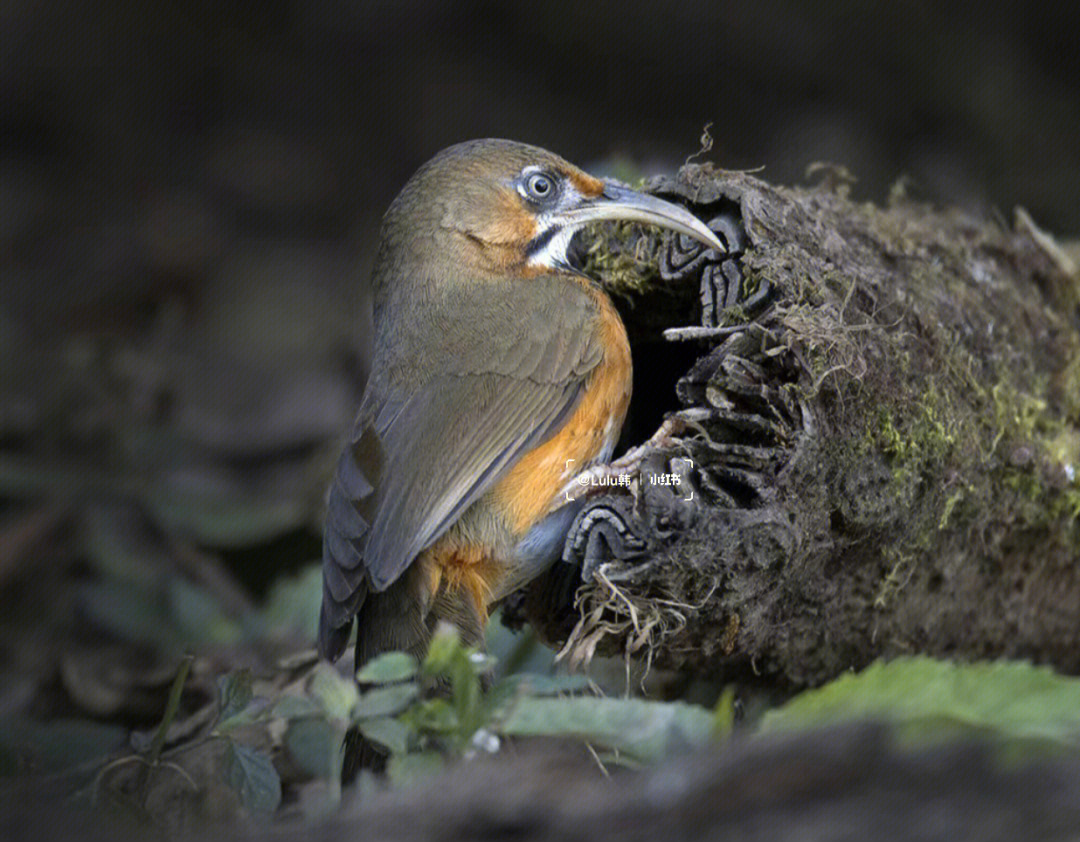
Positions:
{"x": 879, "y": 444}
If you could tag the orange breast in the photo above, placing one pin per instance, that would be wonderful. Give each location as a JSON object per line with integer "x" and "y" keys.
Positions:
{"x": 530, "y": 490}
{"x": 526, "y": 493}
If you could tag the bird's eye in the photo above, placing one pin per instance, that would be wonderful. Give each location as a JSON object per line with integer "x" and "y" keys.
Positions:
{"x": 540, "y": 186}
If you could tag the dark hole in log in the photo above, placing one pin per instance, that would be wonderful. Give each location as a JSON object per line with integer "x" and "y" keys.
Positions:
{"x": 657, "y": 367}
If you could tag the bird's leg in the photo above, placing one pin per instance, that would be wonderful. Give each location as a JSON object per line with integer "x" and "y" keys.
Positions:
{"x": 663, "y": 437}
{"x": 620, "y": 471}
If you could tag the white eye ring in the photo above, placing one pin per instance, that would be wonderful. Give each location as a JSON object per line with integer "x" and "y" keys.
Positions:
{"x": 540, "y": 186}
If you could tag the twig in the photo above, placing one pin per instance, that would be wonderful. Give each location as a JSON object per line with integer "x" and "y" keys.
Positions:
{"x": 172, "y": 706}
{"x": 683, "y": 334}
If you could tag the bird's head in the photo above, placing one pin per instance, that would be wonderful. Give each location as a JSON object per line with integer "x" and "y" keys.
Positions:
{"x": 509, "y": 207}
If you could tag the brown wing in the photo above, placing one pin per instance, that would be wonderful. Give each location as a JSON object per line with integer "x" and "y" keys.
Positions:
{"x": 421, "y": 453}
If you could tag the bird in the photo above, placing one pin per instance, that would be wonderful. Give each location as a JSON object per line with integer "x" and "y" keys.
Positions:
{"x": 499, "y": 373}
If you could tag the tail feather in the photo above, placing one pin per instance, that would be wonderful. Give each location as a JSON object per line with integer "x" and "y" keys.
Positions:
{"x": 393, "y": 621}
{"x": 399, "y": 619}
{"x": 340, "y": 606}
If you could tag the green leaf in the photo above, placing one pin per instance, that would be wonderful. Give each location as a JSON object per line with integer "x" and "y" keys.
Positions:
{"x": 465, "y": 690}
{"x": 254, "y": 777}
{"x": 296, "y": 707}
{"x": 234, "y": 694}
{"x": 23, "y": 477}
{"x": 316, "y": 746}
{"x": 433, "y": 716}
{"x": 498, "y": 701}
{"x": 928, "y": 699}
{"x": 388, "y": 732}
{"x": 199, "y": 615}
{"x": 445, "y": 644}
{"x": 723, "y": 713}
{"x": 546, "y": 685}
{"x": 117, "y": 546}
{"x": 385, "y": 701}
{"x": 291, "y": 603}
{"x": 337, "y": 694}
{"x": 129, "y": 612}
{"x": 643, "y": 730}
{"x": 388, "y": 668}
{"x": 408, "y": 769}
{"x": 218, "y": 519}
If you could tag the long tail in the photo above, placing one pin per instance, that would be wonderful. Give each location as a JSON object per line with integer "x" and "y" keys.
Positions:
{"x": 400, "y": 619}
{"x": 392, "y": 620}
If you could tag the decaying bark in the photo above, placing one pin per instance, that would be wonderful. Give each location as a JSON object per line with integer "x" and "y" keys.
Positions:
{"x": 881, "y": 442}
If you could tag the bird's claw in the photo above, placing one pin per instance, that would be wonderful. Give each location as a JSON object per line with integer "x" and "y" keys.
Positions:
{"x": 664, "y": 437}
{"x": 621, "y": 472}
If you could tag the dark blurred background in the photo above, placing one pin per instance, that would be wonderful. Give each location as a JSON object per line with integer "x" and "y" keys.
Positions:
{"x": 189, "y": 195}
{"x": 142, "y": 145}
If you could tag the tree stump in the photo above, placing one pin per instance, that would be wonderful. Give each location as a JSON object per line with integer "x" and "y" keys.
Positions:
{"x": 878, "y": 449}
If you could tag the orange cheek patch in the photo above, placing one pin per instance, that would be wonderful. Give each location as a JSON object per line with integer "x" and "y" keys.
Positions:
{"x": 585, "y": 184}
{"x": 509, "y": 223}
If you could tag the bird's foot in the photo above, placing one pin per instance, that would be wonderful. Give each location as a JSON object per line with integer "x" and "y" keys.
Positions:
{"x": 663, "y": 437}
{"x": 621, "y": 472}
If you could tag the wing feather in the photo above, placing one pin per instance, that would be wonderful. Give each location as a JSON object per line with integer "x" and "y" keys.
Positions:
{"x": 425, "y": 448}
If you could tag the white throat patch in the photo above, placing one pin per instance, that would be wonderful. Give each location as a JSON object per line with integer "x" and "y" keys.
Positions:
{"x": 553, "y": 254}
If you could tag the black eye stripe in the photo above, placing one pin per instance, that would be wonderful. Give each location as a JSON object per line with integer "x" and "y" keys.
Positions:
{"x": 537, "y": 244}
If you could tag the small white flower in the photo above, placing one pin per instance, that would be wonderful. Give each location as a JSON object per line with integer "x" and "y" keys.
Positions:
{"x": 484, "y": 740}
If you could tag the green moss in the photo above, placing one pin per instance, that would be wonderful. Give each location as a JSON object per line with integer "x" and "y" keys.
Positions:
{"x": 918, "y": 432}
{"x": 1018, "y": 415}
{"x": 621, "y": 255}
{"x": 900, "y": 573}
{"x": 950, "y": 505}
{"x": 1068, "y": 385}
{"x": 1066, "y": 504}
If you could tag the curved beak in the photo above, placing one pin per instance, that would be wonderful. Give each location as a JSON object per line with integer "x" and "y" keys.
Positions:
{"x": 621, "y": 203}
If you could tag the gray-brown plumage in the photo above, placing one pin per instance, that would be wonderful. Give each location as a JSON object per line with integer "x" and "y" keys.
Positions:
{"x": 495, "y": 363}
